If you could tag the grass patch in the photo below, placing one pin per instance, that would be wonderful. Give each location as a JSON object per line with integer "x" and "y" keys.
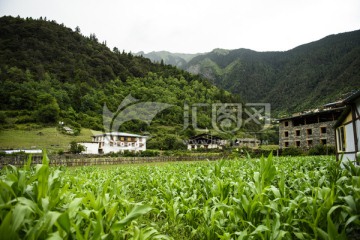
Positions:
{"x": 43, "y": 138}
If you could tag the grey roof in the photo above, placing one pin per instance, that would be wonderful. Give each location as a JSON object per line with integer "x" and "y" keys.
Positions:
{"x": 122, "y": 134}
{"x": 312, "y": 112}
{"x": 352, "y": 97}
{"x": 248, "y": 139}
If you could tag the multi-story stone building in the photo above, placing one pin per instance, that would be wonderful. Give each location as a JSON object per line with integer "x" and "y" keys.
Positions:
{"x": 310, "y": 128}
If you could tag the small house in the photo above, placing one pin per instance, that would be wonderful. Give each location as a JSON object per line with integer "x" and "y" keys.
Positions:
{"x": 205, "y": 141}
{"x": 115, "y": 142}
{"x": 247, "y": 142}
{"x": 68, "y": 130}
{"x": 347, "y": 130}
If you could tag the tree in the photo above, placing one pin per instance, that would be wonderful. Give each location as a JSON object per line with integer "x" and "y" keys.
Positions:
{"x": 48, "y": 113}
{"x": 76, "y": 148}
{"x": 2, "y": 118}
{"x": 47, "y": 109}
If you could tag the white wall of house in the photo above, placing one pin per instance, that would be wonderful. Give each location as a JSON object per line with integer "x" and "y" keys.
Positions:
{"x": 347, "y": 157}
{"x": 29, "y": 151}
{"x": 357, "y": 102}
{"x": 90, "y": 148}
{"x": 201, "y": 146}
{"x": 349, "y": 151}
{"x": 115, "y": 142}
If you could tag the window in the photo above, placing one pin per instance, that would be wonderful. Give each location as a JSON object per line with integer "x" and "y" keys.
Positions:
{"x": 286, "y": 144}
{"x": 286, "y": 123}
{"x": 122, "y": 138}
{"x": 309, "y": 131}
{"x": 323, "y": 141}
{"x": 309, "y": 143}
{"x": 286, "y": 133}
{"x": 341, "y": 138}
{"x": 297, "y": 143}
{"x": 323, "y": 130}
{"x": 297, "y": 133}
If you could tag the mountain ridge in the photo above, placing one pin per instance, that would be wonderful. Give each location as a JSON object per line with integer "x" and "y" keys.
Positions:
{"x": 175, "y": 59}
{"x": 304, "y": 77}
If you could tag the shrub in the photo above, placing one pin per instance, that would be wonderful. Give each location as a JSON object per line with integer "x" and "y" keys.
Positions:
{"x": 150, "y": 153}
{"x": 76, "y": 148}
{"x": 322, "y": 150}
{"x": 292, "y": 151}
{"x": 25, "y": 119}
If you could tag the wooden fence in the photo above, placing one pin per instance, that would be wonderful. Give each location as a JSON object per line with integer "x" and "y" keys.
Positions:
{"x": 83, "y": 160}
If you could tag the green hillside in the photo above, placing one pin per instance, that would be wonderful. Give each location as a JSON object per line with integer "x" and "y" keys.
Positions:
{"x": 51, "y": 73}
{"x": 304, "y": 77}
{"x": 48, "y": 138}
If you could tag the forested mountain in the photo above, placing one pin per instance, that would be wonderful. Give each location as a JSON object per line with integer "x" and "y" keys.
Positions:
{"x": 304, "y": 77}
{"x": 175, "y": 59}
{"x": 49, "y": 72}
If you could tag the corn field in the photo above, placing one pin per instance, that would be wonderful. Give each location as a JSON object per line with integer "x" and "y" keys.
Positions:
{"x": 267, "y": 198}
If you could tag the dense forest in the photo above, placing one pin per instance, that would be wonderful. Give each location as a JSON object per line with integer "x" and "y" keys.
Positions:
{"x": 51, "y": 73}
{"x": 305, "y": 77}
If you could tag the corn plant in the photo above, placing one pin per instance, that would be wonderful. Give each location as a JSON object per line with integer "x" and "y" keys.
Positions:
{"x": 266, "y": 198}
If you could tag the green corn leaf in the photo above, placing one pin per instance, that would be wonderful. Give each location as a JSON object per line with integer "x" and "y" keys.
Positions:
{"x": 6, "y": 229}
{"x": 19, "y": 213}
{"x": 42, "y": 174}
{"x": 64, "y": 222}
{"x": 111, "y": 212}
{"x": 79, "y": 235}
{"x": 149, "y": 233}
{"x": 260, "y": 229}
{"x": 351, "y": 203}
{"x": 242, "y": 234}
{"x": 45, "y": 158}
{"x": 299, "y": 235}
{"x": 73, "y": 207}
{"x": 7, "y": 185}
{"x": 136, "y": 212}
{"x": 54, "y": 236}
{"x": 28, "y": 163}
{"x": 352, "y": 219}
{"x": 322, "y": 234}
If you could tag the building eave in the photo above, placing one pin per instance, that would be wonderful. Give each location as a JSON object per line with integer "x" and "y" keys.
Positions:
{"x": 352, "y": 97}
{"x": 312, "y": 113}
{"x": 122, "y": 134}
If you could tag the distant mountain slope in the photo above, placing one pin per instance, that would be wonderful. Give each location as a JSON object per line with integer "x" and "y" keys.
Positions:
{"x": 174, "y": 59}
{"x": 304, "y": 77}
{"x": 50, "y": 73}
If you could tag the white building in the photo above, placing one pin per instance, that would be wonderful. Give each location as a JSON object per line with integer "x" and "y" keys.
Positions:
{"x": 28, "y": 151}
{"x": 247, "y": 142}
{"x": 348, "y": 130}
{"x": 115, "y": 142}
{"x": 205, "y": 141}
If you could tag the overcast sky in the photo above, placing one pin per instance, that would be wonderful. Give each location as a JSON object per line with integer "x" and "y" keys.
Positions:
{"x": 191, "y": 26}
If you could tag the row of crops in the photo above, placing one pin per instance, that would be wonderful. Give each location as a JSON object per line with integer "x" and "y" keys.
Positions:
{"x": 267, "y": 198}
